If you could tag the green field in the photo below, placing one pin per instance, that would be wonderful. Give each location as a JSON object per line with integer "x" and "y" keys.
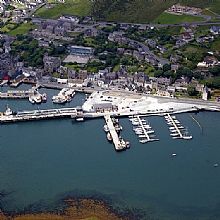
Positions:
{"x": 8, "y": 27}
{"x": 24, "y": 28}
{"x": 166, "y": 18}
{"x": 140, "y": 11}
{"x": 70, "y": 7}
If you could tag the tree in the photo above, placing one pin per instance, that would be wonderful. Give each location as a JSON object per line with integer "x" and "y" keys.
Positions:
{"x": 215, "y": 70}
{"x": 158, "y": 73}
{"x": 166, "y": 67}
{"x": 192, "y": 91}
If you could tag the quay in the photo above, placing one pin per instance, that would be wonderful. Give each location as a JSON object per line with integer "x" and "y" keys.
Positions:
{"x": 4, "y": 82}
{"x": 119, "y": 144}
{"x": 10, "y": 116}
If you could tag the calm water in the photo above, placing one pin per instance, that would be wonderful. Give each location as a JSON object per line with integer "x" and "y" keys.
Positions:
{"x": 41, "y": 161}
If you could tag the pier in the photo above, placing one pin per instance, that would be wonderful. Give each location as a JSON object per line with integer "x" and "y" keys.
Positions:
{"x": 17, "y": 94}
{"x": 10, "y": 116}
{"x": 4, "y": 82}
{"x": 118, "y": 143}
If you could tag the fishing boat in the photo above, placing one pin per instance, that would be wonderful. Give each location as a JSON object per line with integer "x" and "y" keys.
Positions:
{"x": 58, "y": 100}
{"x": 105, "y": 128}
{"x": 109, "y": 137}
{"x": 44, "y": 97}
{"x": 31, "y": 100}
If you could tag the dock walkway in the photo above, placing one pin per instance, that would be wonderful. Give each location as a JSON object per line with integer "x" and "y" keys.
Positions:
{"x": 175, "y": 126}
{"x": 143, "y": 128}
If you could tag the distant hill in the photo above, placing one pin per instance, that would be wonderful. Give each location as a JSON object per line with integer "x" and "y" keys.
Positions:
{"x": 142, "y": 10}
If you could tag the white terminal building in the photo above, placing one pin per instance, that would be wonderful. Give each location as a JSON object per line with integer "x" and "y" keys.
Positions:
{"x": 125, "y": 103}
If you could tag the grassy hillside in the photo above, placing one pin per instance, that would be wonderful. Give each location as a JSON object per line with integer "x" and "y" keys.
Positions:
{"x": 166, "y": 18}
{"x": 142, "y": 11}
{"x": 70, "y": 7}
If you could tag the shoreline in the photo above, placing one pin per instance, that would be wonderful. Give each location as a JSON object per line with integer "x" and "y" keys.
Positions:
{"x": 76, "y": 208}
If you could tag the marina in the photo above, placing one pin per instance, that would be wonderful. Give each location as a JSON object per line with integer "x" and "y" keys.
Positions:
{"x": 177, "y": 131}
{"x": 142, "y": 129}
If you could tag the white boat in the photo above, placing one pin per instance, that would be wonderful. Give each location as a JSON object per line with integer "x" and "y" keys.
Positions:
{"x": 150, "y": 132}
{"x": 174, "y": 134}
{"x": 44, "y": 97}
{"x": 173, "y": 155}
{"x": 118, "y": 127}
{"x": 8, "y": 111}
{"x": 31, "y": 100}
{"x": 109, "y": 137}
{"x": 105, "y": 127}
{"x": 172, "y": 128}
{"x": 135, "y": 123}
{"x": 37, "y": 98}
{"x": 187, "y": 137}
{"x": 138, "y": 129}
{"x": 127, "y": 144}
{"x": 147, "y": 126}
{"x": 139, "y": 132}
{"x": 142, "y": 136}
{"x": 143, "y": 141}
{"x": 177, "y": 137}
{"x": 79, "y": 119}
{"x": 58, "y": 100}
{"x": 154, "y": 139}
{"x": 180, "y": 127}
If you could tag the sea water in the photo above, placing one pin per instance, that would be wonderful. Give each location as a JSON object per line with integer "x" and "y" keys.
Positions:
{"x": 42, "y": 160}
